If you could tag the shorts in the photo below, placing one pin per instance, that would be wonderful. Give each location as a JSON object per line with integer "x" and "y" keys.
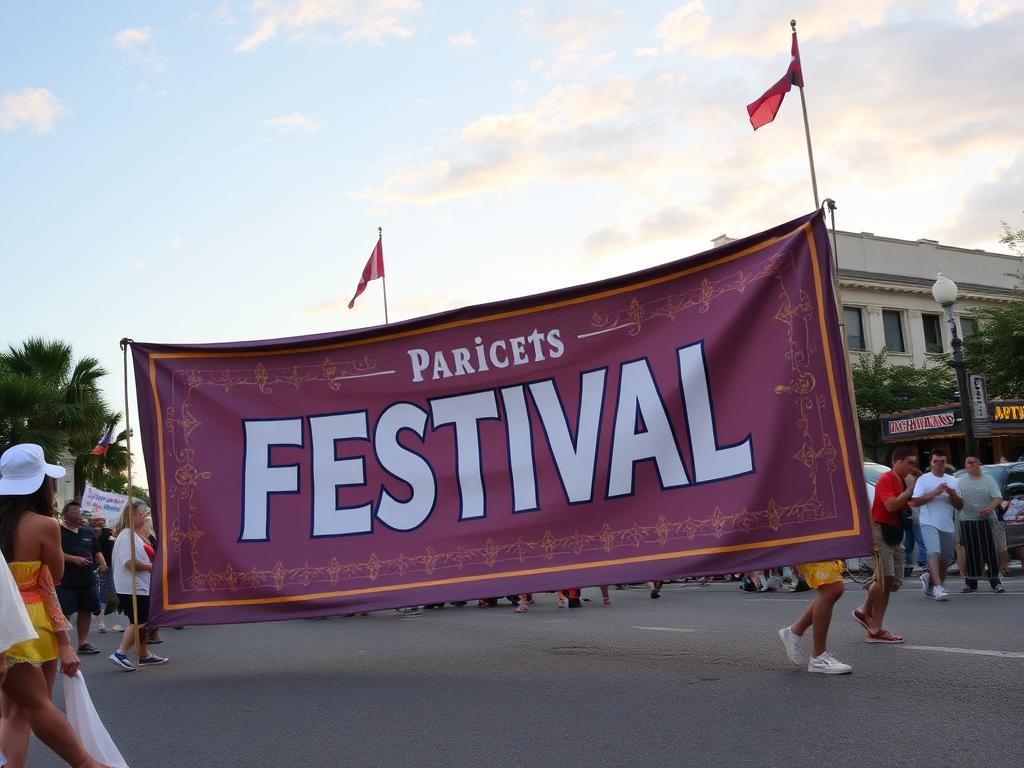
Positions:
{"x": 817, "y": 574}
{"x": 125, "y": 601}
{"x": 998, "y": 533}
{"x": 891, "y": 557}
{"x": 75, "y": 600}
{"x": 938, "y": 543}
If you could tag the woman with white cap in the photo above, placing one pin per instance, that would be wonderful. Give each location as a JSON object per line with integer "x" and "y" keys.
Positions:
{"x": 30, "y": 543}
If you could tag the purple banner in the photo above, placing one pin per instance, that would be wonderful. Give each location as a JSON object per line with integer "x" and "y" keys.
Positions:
{"x": 690, "y": 419}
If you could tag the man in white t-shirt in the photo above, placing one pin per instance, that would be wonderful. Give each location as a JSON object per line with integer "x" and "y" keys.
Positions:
{"x": 937, "y": 496}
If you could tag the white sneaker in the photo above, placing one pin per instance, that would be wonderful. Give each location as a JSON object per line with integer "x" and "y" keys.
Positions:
{"x": 827, "y": 664}
{"x": 117, "y": 628}
{"x": 926, "y": 584}
{"x": 940, "y": 594}
{"x": 792, "y": 643}
{"x": 102, "y": 629}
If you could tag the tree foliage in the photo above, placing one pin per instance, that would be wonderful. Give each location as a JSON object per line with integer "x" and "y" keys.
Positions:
{"x": 49, "y": 398}
{"x": 884, "y": 387}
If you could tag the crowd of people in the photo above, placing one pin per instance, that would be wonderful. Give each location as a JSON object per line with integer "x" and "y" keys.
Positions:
{"x": 55, "y": 568}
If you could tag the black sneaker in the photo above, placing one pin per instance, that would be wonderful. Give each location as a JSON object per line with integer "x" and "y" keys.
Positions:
{"x": 152, "y": 660}
{"x": 87, "y": 649}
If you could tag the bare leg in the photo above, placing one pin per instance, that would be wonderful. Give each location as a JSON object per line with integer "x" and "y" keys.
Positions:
{"x": 84, "y": 622}
{"x": 819, "y": 615}
{"x": 27, "y": 704}
{"x": 877, "y": 602}
{"x": 128, "y": 640}
{"x": 935, "y": 570}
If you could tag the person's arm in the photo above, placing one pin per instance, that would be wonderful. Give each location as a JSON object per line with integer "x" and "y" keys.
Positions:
{"x": 75, "y": 559}
{"x": 954, "y": 497}
{"x": 101, "y": 562}
{"x": 925, "y": 496}
{"x": 896, "y": 503}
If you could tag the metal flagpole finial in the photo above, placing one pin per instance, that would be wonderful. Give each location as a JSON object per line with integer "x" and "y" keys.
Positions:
{"x": 380, "y": 232}
{"x": 792, "y": 23}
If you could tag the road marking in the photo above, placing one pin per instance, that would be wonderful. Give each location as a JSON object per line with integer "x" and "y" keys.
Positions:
{"x": 666, "y": 629}
{"x": 970, "y": 651}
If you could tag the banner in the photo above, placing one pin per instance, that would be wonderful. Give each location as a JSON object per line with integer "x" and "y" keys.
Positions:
{"x": 97, "y": 503}
{"x": 690, "y": 419}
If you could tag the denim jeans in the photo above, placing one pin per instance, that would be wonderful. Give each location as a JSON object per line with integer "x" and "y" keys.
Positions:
{"x": 910, "y": 538}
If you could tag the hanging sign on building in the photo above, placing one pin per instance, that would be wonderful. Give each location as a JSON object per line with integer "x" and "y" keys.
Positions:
{"x": 689, "y": 419}
{"x": 978, "y": 391}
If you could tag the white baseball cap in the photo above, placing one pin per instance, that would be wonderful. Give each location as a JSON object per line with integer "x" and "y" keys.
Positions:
{"x": 22, "y": 469}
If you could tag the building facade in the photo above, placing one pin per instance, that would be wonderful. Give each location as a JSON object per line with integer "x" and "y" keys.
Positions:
{"x": 885, "y": 289}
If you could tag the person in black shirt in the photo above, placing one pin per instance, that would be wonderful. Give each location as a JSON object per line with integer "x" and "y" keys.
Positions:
{"x": 82, "y": 557}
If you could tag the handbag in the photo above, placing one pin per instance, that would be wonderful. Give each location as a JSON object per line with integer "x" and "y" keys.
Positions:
{"x": 891, "y": 535}
{"x": 87, "y": 724}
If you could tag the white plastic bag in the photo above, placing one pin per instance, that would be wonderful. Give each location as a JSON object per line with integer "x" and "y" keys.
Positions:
{"x": 87, "y": 724}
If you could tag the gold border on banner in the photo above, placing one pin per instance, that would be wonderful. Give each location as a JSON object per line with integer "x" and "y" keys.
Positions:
{"x": 188, "y": 472}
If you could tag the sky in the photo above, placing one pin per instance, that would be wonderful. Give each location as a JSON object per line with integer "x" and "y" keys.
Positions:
{"x": 205, "y": 172}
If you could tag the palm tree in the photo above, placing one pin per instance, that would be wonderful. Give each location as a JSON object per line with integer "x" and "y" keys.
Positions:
{"x": 46, "y": 397}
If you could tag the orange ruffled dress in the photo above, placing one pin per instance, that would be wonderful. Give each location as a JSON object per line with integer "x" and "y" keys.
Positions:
{"x": 37, "y": 591}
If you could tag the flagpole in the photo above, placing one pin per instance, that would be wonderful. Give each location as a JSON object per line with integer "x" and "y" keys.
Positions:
{"x": 384, "y": 277}
{"x": 807, "y": 133}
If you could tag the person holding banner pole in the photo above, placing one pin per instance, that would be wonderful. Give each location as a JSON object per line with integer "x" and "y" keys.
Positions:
{"x": 132, "y": 565}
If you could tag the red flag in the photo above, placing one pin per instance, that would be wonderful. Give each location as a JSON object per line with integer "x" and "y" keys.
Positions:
{"x": 374, "y": 268}
{"x": 763, "y": 110}
{"x": 103, "y": 444}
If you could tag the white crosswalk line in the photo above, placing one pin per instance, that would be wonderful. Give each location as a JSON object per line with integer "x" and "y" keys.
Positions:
{"x": 969, "y": 651}
{"x": 666, "y": 629}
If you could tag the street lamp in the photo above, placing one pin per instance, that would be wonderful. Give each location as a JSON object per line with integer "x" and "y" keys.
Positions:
{"x": 944, "y": 292}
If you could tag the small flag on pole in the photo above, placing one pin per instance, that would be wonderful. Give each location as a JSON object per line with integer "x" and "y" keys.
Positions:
{"x": 374, "y": 268}
{"x": 763, "y": 110}
{"x": 103, "y": 444}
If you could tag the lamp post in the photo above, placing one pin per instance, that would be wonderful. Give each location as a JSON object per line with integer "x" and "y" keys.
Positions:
{"x": 944, "y": 291}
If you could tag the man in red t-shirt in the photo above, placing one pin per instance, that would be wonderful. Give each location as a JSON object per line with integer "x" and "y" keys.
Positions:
{"x": 892, "y": 492}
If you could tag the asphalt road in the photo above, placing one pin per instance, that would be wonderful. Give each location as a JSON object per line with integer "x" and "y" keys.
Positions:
{"x": 697, "y": 678}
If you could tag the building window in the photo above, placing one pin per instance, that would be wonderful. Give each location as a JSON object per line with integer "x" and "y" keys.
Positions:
{"x": 932, "y": 333}
{"x": 893, "y": 325}
{"x": 854, "y": 328}
{"x": 968, "y": 327}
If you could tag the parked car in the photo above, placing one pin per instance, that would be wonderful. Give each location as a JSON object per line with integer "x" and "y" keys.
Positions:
{"x": 1010, "y": 479}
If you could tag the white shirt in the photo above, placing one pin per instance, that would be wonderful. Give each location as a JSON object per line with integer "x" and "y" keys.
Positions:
{"x": 15, "y": 625}
{"x": 938, "y": 512}
{"x": 121, "y": 557}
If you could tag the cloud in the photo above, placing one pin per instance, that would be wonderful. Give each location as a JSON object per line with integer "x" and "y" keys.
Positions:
{"x": 985, "y": 11}
{"x": 34, "y": 108}
{"x": 132, "y": 39}
{"x": 985, "y": 205}
{"x": 135, "y": 43}
{"x": 293, "y": 122}
{"x": 669, "y": 223}
{"x": 574, "y": 35}
{"x": 464, "y": 40}
{"x": 741, "y": 30}
{"x": 573, "y": 132}
{"x": 139, "y": 265}
{"x": 223, "y": 17}
{"x": 358, "y": 21}
{"x": 518, "y": 86}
